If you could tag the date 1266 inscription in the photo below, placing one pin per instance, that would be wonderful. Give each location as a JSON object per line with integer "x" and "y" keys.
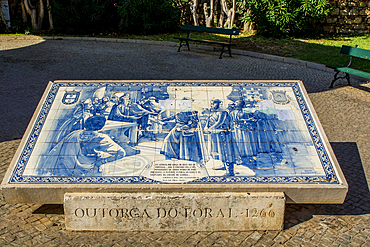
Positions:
{"x": 174, "y": 211}
{"x": 185, "y": 212}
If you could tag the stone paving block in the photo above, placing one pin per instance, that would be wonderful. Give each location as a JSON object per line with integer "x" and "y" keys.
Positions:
{"x": 196, "y": 238}
{"x": 241, "y": 236}
{"x": 277, "y": 245}
{"x": 22, "y": 234}
{"x": 295, "y": 240}
{"x": 224, "y": 242}
{"x": 330, "y": 236}
{"x": 30, "y": 242}
{"x": 156, "y": 235}
{"x": 233, "y": 237}
{"x": 341, "y": 241}
{"x": 304, "y": 244}
{"x": 13, "y": 228}
{"x": 290, "y": 244}
{"x": 268, "y": 238}
{"x": 4, "y": 230}
{"x": 24, "y": 239}
{"x": 32, "y": 219}
{"x": 40, "y": 227}
{"x": 252, "y": 239}
{"x": 247, "y": 243}
{"x": 281, "y": 239}
{"x": 327, "y": 241}
{"x": 206, "y": 242}
{"x": 366, "y": 243}
{"x": 356, "y": 241}
{"x": 140, "y": 237}
{"x": 359, "y": 238}
{"x": 352, "y": 244}
{"x": 309, "y": 234}
{"x": 164, "y": 240}
{"x": 152, "y": 244}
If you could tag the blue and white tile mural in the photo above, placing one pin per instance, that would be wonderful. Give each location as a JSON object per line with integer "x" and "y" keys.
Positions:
{"x": 174, "y": 133}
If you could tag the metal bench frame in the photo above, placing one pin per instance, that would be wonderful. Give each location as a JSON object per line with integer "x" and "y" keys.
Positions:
{"x": 190, "y": 28}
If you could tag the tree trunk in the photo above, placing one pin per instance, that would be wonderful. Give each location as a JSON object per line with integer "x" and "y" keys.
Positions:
{"x": 222, "y": 18}
{"x": 3, "y": 18}
{"x": 37, "y": 14}
{"x": 32, "y": 12}
{"x": 215, "y": 15}
{"x": 193, "y": 9}
{"x": 24, "y": 14}
{"x": 230, "y": 13}
{"x": 212, "y": 12}
{"x": 41, "y": 14}
{"x": 51, "y": 24}
{"x": 233, "y": 10}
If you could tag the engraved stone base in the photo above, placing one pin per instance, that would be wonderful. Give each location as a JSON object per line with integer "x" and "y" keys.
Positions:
{"x": 174, "y": 211}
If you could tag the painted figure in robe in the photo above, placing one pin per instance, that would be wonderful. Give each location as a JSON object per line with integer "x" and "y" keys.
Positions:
{"x": 243, "y": 138}
{"x": 217, "y": 127}
{"x": 184, "y": 141}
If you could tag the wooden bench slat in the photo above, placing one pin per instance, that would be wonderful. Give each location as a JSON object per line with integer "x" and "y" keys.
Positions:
{"x": 205, "y": 41}
{"x": 190, "y": 28}
{"x": 355, "y": 52}
{"x": 210, "y": 30}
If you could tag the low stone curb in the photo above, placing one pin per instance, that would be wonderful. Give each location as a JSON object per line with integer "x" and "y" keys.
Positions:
{"x": 288, "y": 60}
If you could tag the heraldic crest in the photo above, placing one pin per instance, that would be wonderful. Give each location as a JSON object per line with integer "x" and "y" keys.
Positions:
{"x": 71, "y": 97}
{"x": 279, "y": 97}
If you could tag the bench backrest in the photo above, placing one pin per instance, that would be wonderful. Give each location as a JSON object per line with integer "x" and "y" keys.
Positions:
{"x": 355, "y": 52}
{"x": 210, "y": 30}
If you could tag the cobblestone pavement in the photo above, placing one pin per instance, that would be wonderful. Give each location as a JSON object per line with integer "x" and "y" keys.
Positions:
{"x": 27, "y": 64}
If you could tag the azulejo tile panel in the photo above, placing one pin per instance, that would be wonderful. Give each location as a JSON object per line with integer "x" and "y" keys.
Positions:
{"x": 174, "y": 132}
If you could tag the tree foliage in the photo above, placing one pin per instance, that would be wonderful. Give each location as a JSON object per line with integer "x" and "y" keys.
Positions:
{"x": 285, "y": 17}
{"x": 148, "y": 16}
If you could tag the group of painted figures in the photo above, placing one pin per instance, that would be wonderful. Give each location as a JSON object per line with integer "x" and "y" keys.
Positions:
{"x": 81, "y": 148}
{"x": 120, "y": 110}
{"x": 231, "y": 135}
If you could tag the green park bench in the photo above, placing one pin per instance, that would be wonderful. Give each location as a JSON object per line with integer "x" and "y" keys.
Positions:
{"x": 352, "y": 52}
{"x": 190, "y": 28}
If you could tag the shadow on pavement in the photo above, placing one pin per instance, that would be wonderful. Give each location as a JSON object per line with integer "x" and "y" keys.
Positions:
{"x": 50, "y": 209}
{"x": 357, "y": 201}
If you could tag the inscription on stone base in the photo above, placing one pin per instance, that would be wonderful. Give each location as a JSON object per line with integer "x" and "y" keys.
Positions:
{"x": 174, "y": 211}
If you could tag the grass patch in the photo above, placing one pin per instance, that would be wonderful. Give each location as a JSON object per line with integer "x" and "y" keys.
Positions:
{"x": 327, "y": 50}
{"x": 323, "y": 50}
{"x": 17, "y": 34}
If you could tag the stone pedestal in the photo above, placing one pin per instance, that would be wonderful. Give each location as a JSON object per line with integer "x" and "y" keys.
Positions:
{"x": 174, "y": 211}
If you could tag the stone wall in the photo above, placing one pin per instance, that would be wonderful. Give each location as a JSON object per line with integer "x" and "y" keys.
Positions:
{"x": 348, "y": 16}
